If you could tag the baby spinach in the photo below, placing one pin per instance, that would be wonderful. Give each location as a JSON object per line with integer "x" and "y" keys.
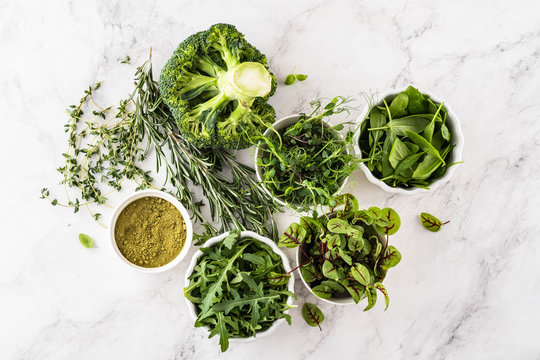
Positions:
{"x": 406, "y": 143}
{"x": 312, "y": 315}
{"x": 306, "y": 163}
{"x": 431, "y": 223}
{"x": 239, "y": 288}
{"x": 345, "y": 253}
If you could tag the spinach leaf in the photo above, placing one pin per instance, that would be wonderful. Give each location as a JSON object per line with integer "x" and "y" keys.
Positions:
{"x": 417, "y": 102}
{"x": 398, "y": 152}
{"x": 398, "y": 106}
{"x": 424, "y": 144}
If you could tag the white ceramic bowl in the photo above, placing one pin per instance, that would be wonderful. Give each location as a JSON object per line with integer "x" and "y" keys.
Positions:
{"x": 454, "y": 125}
{"x": 290, "y": 286}
{"x": 278, "y": 125}
{"x": 334, "y": 301}
{"x": 160, "y": 194}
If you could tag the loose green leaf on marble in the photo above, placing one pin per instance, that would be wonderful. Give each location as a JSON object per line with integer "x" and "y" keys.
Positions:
{"x": 86, "y": 241}
{"x": 431, "y": 223}
{"x": 312, "y": 315}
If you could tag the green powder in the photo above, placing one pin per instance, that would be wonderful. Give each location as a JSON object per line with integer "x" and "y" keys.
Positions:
{"x": 150, "y": 232}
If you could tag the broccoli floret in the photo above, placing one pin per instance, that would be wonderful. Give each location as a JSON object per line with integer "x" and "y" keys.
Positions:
{"x": 217, "y": 86}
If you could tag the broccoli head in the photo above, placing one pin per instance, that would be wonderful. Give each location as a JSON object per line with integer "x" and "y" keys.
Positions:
{"x": 217, "y": 86}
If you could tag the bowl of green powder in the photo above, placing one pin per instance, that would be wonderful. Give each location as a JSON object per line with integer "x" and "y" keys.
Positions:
{"x": 150, "y": 231}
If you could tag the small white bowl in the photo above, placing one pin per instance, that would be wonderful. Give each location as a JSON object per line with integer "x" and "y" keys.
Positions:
{"x": 290, "y": 286}
{"x": 334, "y": 301}
{"x": 454, "y": 125}
{"x": 160, "y": 194}
{"x": 278, "y": 125}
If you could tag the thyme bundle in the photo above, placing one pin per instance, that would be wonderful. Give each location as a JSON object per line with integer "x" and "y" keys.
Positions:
{"x": 105, "y": 150}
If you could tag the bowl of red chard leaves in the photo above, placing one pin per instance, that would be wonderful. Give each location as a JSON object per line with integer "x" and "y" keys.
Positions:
{"x": 239, "y": 286}
{"x": 344, "y": 256}
{"x": 303, "y": 161}
{"x": 409, "y": 142}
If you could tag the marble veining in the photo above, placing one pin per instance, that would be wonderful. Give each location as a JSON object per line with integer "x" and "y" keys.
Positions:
{"x": 467, "y": 292}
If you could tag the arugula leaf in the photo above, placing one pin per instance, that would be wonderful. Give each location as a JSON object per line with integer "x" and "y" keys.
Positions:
{"x": 230, "y": 240}
{"x": 239, "y": 288}
{"x": 312, "y": 315}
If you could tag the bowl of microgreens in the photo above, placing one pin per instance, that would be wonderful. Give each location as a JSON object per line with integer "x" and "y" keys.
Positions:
{"x": 303, "y": 160}
{"x": 239, "y": 286}
{"x": 409, "y": 142}
{"x": 344, "y": 255}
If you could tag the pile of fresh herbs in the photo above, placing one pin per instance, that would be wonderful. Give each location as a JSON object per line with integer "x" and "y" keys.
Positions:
{"x": 107, "y": 145}
{"x": 239, "y": 288}
{"x": 305, "y": 164}
{"x": 407, "y": 143}
{"x": 345, "y": 253}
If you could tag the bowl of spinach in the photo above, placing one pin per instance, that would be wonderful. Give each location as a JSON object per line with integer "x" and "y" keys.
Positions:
{"x": 409, "y": 142}
{"x": 239, "y": 286}
{"x": 303, "y": 160}
{"x": 344, "y": 255}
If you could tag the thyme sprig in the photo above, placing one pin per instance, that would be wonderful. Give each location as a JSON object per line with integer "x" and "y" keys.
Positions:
{"x": 103, "y": 151}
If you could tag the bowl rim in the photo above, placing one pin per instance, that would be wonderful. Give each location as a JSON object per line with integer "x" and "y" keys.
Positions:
{"x": 162, "y": 195}
{"x": 456, "y": 132}
{"x": 243, "y": 234}
{"x": 277, "y": 125}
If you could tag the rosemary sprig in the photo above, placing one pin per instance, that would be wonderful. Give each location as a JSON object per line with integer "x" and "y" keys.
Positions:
{"x": 141, "y": 124}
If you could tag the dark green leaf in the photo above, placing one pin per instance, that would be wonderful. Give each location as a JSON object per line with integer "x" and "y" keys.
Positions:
{"x": 312, "y": 315}
{"x": 424, "y": 144}
{"x": 322, "y": 291}
{"x": 398, "y": 106}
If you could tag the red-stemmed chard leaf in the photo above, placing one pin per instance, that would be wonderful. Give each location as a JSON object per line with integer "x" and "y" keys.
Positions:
{"x": 312, "y": 315}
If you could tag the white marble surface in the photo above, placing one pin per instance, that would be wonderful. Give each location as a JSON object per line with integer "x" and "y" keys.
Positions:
{"x": 468, "y": 292}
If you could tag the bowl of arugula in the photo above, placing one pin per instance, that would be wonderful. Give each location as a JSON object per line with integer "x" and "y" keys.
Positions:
{"x": 239, "y": 286}
{"x": 408, "y": 142}
{"x": 303, "y": 160}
